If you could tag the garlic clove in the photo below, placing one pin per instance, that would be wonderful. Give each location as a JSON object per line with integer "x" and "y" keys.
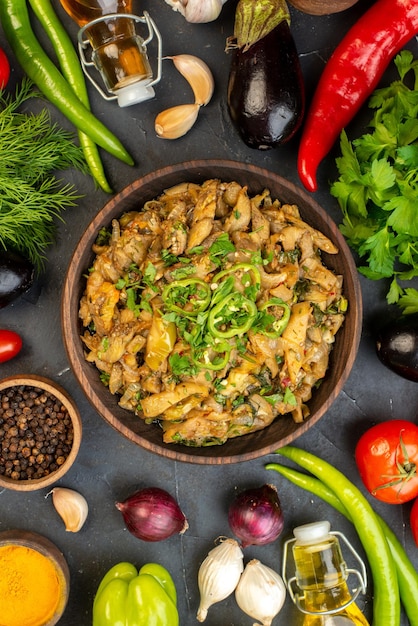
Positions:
{"x": 197, "y": 74}
{"x": 219, "y": 575}
{"x": 71, "y": 506}
{"x": 198, "y": 11}
{"x": 260, "y": 592}
{"x": 177, "y": 121}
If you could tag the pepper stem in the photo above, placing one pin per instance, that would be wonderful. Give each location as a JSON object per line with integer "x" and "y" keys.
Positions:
{"x": 254, "y": 19}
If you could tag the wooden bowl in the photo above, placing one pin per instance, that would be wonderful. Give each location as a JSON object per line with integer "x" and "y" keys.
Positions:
{"x": 50, "y": 551}
{"x": 39, "y": 382}
{"x": 283, "y": 430}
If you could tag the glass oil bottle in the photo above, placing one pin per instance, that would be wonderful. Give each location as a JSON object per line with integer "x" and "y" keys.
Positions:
{"x": 108, "y": 29}
{"x": 322, "y": 594}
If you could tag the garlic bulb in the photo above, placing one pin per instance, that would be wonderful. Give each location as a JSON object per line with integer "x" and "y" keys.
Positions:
{"x": 71, "y": 506}
{"x": 260, "y": 592}
{"x": 196, "y": 11}
{"x": 197, "y": 74}
{"x": 219, "y": 575}
{"x": 176, "y": 121}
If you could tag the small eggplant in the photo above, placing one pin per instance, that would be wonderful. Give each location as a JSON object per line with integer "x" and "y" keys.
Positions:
{"x": 397, "y": 346}
{"x": 266, "y": 91}
{"x": 16, "y": 276}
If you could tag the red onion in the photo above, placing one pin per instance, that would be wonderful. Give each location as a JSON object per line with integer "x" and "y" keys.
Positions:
{"x": 152, "y": 514}
{"x": 255, "y": 516}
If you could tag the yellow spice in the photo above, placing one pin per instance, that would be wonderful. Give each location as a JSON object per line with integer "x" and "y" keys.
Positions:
{"x": 30, "y": 587}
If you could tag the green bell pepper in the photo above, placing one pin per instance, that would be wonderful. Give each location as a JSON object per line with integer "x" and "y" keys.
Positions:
{"x": 126, "y": 597}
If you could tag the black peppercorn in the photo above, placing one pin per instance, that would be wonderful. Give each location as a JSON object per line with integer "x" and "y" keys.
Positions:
{"x": 36, "y": 433}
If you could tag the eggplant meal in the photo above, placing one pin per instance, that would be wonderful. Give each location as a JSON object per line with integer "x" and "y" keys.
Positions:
{"x": 210, "y": 312}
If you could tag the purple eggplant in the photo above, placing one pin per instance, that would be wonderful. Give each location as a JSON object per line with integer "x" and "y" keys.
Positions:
{"x": 397, "y": 346}
{"x": 266, "y": 91}
{"x": 16, "y": 276}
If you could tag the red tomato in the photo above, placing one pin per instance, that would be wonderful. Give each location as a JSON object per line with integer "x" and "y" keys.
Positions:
{"x": 4, "y": 69}
{"x": 387, "y": 459}
{"x": 10, "y": 345}
{"x": 414, "y": 521}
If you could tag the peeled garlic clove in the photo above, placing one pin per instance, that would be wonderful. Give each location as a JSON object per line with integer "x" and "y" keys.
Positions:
{"x": 176, "y": 121}
{"x": 219, "y": 575}
{"x": 197, "y": 74}
{"x": 260, "y": 592}
{"x": 71, "y": 506}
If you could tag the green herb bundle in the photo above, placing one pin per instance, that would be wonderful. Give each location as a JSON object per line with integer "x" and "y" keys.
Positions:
{"x": 377, "y": 189}
{"x": 32, "y": 151}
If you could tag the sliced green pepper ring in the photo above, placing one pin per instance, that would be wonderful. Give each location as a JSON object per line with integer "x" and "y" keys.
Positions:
{"x": 247, "y": 268}
{"x": 234, "y": 311}
{"x": 189, "y": 291}
{"x": 277, "y": 325}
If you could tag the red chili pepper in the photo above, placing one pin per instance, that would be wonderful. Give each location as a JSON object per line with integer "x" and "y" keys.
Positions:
{"x": 350, "y": 76}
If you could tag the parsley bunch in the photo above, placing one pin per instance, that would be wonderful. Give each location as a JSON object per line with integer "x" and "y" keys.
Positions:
{"x": 377, "y": 189}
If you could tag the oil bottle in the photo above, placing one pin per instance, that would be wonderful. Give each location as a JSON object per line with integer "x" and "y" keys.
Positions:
{"x": 322, "y": 594}
{"x": 118, "y": 52}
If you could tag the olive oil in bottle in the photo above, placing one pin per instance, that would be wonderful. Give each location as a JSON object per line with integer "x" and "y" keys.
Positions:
{"x": 119, "y": 54}
{"x": 321, "y": 576}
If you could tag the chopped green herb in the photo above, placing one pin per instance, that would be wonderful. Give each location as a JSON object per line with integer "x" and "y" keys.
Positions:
{"x": 103, "y": 237}
{"x": 181, "y": 365}
{"x": 220, "y": 248}
{"x": 149, "y": 275}
{"x": 183, "y": 272}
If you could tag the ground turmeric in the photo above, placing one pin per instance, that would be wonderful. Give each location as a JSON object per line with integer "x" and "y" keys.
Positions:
{"x": 30, "y": 587}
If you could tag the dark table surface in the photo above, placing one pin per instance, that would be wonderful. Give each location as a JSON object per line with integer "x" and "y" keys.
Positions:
{"x": 109, "y": 467}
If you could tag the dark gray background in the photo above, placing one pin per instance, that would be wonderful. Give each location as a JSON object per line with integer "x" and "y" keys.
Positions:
{"x": 109, "y": 467}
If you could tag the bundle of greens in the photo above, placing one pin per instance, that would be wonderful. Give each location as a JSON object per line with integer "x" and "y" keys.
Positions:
{"x": 32, "y": 151}
{"x": 377, "y": 189}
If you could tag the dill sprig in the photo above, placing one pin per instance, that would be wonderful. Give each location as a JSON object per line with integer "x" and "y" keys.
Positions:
{"x": 32, "y": 151}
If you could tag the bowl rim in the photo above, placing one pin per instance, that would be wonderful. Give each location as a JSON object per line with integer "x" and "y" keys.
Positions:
{"x": 174, "y": 451}
{"x": 41, "y": 382}
{"x": 50, "y": 550}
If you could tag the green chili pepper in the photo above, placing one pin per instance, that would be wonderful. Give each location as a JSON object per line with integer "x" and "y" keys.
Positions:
{"x": 386, "y": 602}
{"x": 273, "y": 326}
{"x": 406, "y": 573}
{"x": 235, "y": 312}
{"x": 71, "y": 69}
{"x": 251, "y": 285}
{"x": 180, "y": 295}
{"x": 126, "y": 597}
{"x": 41, "y": 70}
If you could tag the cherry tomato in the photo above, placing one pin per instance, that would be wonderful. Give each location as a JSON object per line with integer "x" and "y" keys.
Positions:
{"x": 414, "y": 521}
{"x": 387, "y": 459}
{"x": 4, "y": 69}
{"x": 10, "y": 345}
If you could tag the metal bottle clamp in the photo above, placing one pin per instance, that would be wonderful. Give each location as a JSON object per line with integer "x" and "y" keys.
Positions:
{"x": 361, "y": 576}
{"x": 84, "y": 43}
